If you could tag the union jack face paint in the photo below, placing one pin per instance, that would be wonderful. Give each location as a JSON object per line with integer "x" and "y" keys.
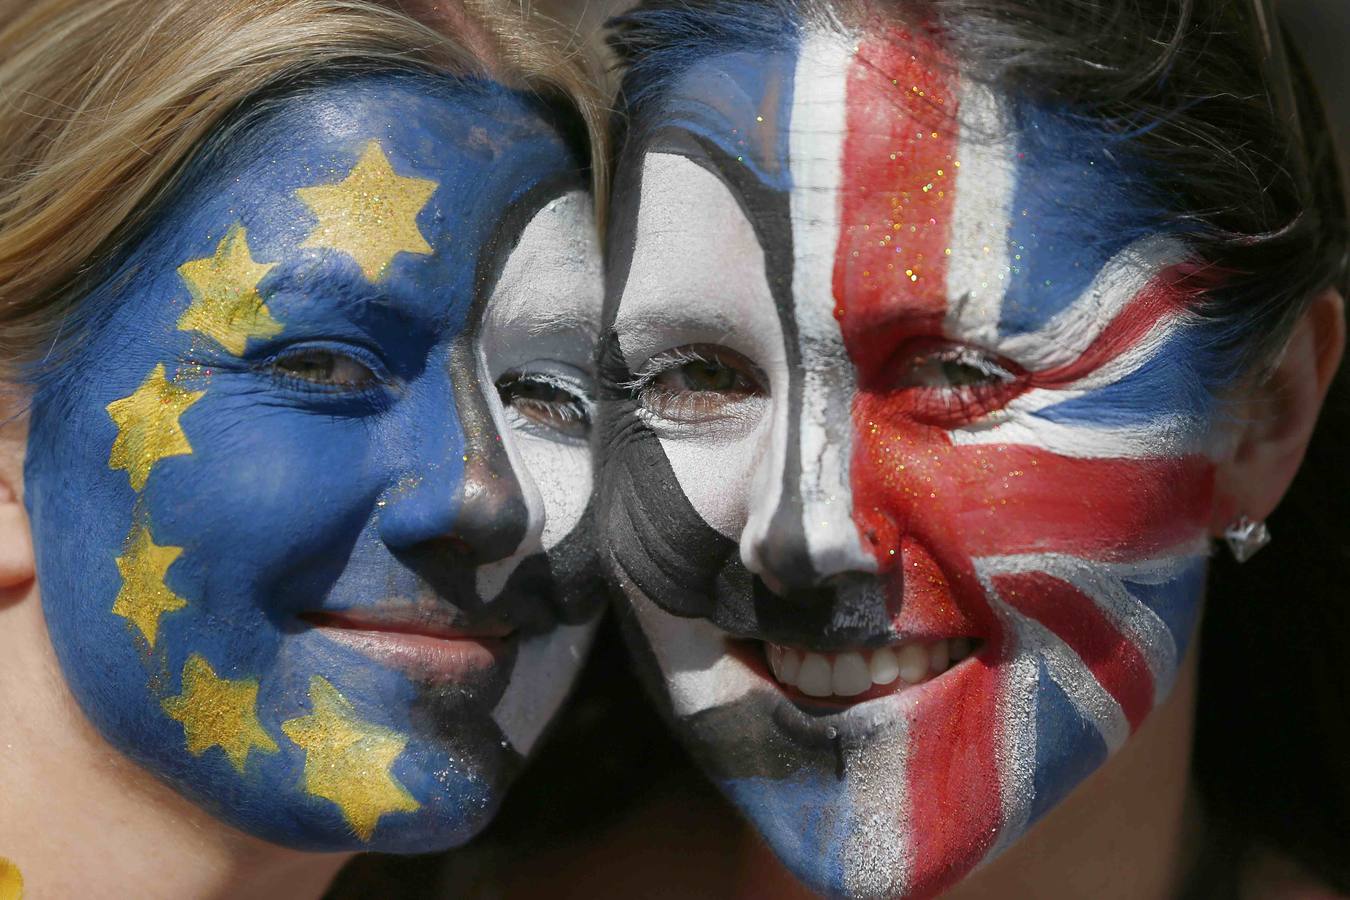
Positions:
{"x": 904, "y": 465}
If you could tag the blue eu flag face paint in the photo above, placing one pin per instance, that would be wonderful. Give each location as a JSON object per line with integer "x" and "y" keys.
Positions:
{"x": 311, "y": 502}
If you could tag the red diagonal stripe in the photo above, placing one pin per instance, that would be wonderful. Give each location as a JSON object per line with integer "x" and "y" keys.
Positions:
{"x": 1112, "y": 658}
{"x": 990, "y": 500}
{"x": 955, "y": 799}
{"x": 1167, "y": 294}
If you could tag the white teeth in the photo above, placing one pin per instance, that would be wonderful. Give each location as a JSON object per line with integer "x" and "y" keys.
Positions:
{"x": 850, "y": 675}
{"x": 884, "y": 668}
{"x": 814, "y": 679}
{"x": 937, "y": 658}
{"x": 913, "y": 660}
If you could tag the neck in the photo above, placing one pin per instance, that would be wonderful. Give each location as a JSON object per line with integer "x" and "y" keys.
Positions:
{"x": 77, "y": 813}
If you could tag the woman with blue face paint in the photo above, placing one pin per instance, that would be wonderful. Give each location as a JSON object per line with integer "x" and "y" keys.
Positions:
{"x": 943, "y": 338}
{"x": 297, "y": 308}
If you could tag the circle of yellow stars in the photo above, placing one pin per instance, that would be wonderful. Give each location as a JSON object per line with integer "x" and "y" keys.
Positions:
{"x": 371, "y": 215}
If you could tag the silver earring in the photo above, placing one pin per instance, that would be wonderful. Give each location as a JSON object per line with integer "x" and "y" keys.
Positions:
{"x": 1245, "y": 537}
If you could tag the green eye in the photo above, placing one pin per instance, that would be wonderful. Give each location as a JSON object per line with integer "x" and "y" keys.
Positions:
{"x": 958, "y": 374}
{"x": 952, "y": 367}
{"x": 708, "y": 376}
{"x": 324, "y": 367}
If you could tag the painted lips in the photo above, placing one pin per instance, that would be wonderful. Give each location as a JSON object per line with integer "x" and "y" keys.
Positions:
{"x": 424, "y": 646}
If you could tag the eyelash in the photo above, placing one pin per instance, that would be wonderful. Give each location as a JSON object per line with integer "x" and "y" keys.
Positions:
{"x": 952, "y": 405}
{"x": 939, "y": 383}
{"x": 571, "y": 417}
{"x": 692, "y": 406}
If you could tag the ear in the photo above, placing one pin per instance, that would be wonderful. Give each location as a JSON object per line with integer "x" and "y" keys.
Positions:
{"x": 1277, "y": 420}
{"x": 17, "y": 565}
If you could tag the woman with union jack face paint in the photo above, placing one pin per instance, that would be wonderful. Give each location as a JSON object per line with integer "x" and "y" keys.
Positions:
{"x": 930, "y": 380}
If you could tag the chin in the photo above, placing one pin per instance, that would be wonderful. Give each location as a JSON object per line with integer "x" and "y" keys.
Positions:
{"x": 905, "y": 785}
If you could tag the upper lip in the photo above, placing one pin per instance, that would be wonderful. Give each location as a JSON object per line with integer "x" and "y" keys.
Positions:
{"x": 408, "y": 619}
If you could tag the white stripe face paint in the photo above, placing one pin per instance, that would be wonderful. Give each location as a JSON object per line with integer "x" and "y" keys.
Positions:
{"x": 699, "y": 672}
{"x": 546, "y": 666}
{"x": 828, "y": 379}
{"x": 878, "y": 859}
{"x": 1019, "y": 683}
{"x": 977, "y": 270}
{"x": 1172, "y": 435}
{"x": 1069, "y": 333}
{"x": 542, "y": 317}
{"x": 727, "y": 303}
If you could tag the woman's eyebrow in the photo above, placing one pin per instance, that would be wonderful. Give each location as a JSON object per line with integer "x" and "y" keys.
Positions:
{"x": 564, "y": 322}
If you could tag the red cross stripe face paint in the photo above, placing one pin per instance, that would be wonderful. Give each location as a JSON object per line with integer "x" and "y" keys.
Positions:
{"x": 905, "y": 446}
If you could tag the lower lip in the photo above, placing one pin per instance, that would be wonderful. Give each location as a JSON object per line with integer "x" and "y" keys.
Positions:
{"x": 429, "y": 657}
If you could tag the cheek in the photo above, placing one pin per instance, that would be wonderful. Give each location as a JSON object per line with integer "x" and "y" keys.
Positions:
{"x": 717, "y": 476}
{"x": 967, "y": 502}
{"x": 269, "y": 499}
{"x": 561, "y": 474}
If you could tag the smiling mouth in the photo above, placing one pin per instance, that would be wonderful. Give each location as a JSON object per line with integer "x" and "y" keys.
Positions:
{"x": 857, "y": 675}
{"x": 421, "y": 646}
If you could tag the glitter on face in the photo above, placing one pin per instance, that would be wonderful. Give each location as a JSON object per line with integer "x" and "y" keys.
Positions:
{"x": 1001, "y": 367}
{"x": 302, "y": 555}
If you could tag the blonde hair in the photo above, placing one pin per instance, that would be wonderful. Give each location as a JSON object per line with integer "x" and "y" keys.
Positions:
{"x": 102, "y": 101}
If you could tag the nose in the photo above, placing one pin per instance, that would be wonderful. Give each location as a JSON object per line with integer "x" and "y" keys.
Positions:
{"x": 465, "y": 496}
{"x": 801, "y": 531}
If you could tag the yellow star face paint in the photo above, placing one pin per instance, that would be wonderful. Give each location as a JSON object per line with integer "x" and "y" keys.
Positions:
{"x": 225, "y": 302}
{"x": 144, "y": 596}
{"x": 370, "y": 215}
{"x": 312, "y": 506}
{"x": 148, "y": 429}
{"x": 219, "y": 712}
{"x": 348, "y": 760}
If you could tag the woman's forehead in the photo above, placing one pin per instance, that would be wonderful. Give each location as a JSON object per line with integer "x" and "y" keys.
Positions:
{"x": 378, "y": 186}
{"x": 935, "y": 186}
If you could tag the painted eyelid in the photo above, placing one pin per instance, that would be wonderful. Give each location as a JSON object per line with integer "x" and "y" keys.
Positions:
{"x": 561, "y": 374}
{"x": 669, "y": 360}
{"x": 362, "y": 355}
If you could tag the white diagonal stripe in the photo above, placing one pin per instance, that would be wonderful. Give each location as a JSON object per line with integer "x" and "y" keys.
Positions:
{"x": 977, "y": 271}
{"x": 828, "y": 380}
